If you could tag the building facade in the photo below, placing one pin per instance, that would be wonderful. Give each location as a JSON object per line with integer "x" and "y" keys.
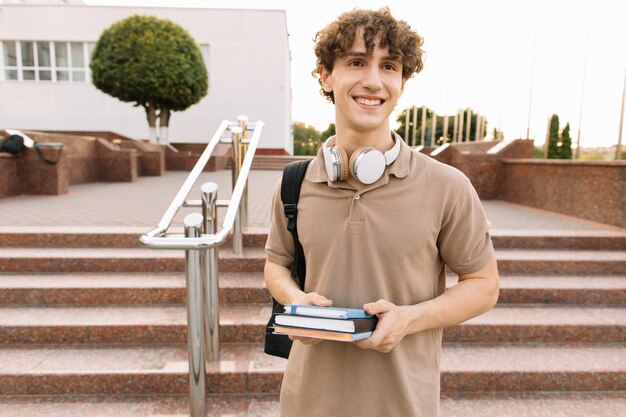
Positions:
{"x": 45, "y": 81}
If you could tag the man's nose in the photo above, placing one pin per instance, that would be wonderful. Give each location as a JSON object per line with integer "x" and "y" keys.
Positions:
{"x": 371, "y": 78}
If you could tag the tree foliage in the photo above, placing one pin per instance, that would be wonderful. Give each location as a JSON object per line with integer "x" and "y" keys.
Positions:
{"x": 151, "y": 62}
{"x": 439, "y": 127}
{"x": 330, "y": 131}
{"x": 559, "y": 144}
{"x": 553, "y": 137}
{"x": 306, "y": 139}
{"x": 566, "y": 141}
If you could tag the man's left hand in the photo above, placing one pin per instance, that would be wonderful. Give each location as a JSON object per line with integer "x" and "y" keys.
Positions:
{"x": 392, "y": 326}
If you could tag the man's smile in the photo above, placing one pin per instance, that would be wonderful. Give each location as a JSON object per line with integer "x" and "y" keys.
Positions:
{"x": 369, "y": 101}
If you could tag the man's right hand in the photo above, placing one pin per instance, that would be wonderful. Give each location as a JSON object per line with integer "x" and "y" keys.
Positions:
{"x": 285, "y": 290}
{"x": 310, "y": 299}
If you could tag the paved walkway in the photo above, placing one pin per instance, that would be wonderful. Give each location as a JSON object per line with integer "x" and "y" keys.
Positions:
{"x": 142, "y": 204}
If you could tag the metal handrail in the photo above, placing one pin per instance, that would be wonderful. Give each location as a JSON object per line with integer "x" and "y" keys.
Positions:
{"x": 156, "y": 237}
{"x": 201, "y": 260}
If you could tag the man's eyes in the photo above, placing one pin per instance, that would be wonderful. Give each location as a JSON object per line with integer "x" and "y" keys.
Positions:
{"x": 359, "y": 63}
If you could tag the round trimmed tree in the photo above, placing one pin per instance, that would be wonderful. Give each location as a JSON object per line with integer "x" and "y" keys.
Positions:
{"x": 153, "y": 63}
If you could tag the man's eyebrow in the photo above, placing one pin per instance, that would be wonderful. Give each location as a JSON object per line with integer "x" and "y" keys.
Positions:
{"x": 392, "y": 58}
{"x": 355, "y": 53}
{"x": 364, "y": 54}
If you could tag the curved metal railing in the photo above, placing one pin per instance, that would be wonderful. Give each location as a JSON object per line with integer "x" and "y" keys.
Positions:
{"x": 156, "y": 237}
{"x": 200, "y": 242}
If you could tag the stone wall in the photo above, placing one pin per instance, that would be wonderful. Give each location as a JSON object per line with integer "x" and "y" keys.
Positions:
{"x": 9, "y": 179}
{"x": 80, "y": 160}
{"x": 151, "y": 156}
{"x": 481, "y": 162}
{"x": 27, "y": 174}
{"x": 115, "y": 164}
{"x": 80, "y": 154}
{"x": 593, "y": 190}
{"x": 183, "y": 157}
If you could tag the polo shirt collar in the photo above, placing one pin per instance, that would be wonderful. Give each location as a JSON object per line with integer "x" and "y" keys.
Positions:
{"x": 399, "y": 168}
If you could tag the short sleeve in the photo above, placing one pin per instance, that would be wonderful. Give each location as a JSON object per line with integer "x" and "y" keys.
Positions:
{"x": 464, "y": 241}
{"x": 279, "y": 247}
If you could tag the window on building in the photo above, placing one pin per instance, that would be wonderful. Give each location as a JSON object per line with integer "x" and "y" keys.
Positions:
{"x": 45, "y": 61}
{"x": 9, "y": 63}
{"x": 52, "y": 61}
{"x": 204, "y": 50}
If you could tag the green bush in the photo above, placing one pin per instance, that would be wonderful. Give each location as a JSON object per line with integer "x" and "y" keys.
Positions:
{"x": 306, "y": 139}
{"x": 539, "y": 153}
{"x": 151, "y": 62}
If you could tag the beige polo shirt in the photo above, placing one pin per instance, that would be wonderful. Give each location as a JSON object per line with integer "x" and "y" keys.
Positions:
{"x": 388, "y": 240}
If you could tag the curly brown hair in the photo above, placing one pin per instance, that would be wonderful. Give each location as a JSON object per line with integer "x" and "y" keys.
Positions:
{"x": 336, "y": 39}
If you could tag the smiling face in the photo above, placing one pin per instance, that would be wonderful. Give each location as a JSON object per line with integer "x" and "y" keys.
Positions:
{"x": 365, "y": 87}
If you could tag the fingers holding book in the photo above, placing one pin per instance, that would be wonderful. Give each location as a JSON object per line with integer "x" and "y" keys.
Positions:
{"x": 391, "y": 328}
{"x": 314, "y": 299}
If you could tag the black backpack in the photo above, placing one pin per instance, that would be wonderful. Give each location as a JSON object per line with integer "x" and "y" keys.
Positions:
{"x": 293, "y": 175}
{"x": 14, "y": 144}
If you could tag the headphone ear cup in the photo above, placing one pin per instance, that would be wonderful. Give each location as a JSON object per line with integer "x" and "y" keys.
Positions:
{"x": 367, "y": 165}
{"x": 343, "y": 159}
{"x": 353, "y": 159}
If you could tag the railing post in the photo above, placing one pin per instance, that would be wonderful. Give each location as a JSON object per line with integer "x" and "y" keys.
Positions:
{"x": 237, "y": 159}
{"x": 195, "y": 328}
{"x": 210, "y": 269}
{"x": 243, "y": 124}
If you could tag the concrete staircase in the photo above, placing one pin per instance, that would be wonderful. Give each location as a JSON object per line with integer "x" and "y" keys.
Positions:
{"x": 95, "y": 325}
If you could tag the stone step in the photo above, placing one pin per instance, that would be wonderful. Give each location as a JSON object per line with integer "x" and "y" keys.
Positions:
{"x": 244, "y": 368}
{"x": 122, "y": 289}
{"x": 534, "y": 404}
{"x": 33, "y": 260}
{"x": 97, "y": 237}
{"x": 583, "y": 290}
{"x": 510, "y": 261}
{"x": 128, "y": 237}
{"x": 260, "y": 405}
{"x": 246, "y": 323}
{"x": 559, "y": 239}
{"x": 93, "y": 289}
{"x": 560, "y": 262}
{"x": 124, "y": 325}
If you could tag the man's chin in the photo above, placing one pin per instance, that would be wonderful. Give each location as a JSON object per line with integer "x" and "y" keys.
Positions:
{"x": 364, "y": 126}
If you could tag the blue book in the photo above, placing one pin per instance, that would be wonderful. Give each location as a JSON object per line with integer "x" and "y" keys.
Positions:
{"x": 327, "y": 312}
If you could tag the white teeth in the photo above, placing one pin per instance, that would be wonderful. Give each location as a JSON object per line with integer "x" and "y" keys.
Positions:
{"x": 368, "y": 102}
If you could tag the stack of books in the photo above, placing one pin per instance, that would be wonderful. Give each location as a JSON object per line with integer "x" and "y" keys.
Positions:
{"x": 329, "y": 323}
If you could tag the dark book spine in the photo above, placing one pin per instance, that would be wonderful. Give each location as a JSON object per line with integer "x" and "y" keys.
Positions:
{"x": 364, "y": 325}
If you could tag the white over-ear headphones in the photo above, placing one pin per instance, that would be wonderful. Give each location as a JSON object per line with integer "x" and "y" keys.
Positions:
{"x": 366, "y": 164}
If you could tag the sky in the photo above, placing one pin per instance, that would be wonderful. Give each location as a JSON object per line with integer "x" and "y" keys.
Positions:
{"x": 516, "y": 63}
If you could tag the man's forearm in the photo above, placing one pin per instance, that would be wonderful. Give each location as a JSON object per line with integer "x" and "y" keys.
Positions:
{"x": 472, "y": 296}
{"x": 280, "y": 283}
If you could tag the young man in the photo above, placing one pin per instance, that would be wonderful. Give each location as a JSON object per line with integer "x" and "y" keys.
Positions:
{"x": 378, "y": 227}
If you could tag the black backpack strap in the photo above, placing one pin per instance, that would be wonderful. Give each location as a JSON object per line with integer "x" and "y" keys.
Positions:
{"x": 293, "y": 175}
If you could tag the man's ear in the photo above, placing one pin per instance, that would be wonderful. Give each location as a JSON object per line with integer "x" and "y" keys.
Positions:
{"x": 325, "y": 79}
{"x": 402, "y": 88}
